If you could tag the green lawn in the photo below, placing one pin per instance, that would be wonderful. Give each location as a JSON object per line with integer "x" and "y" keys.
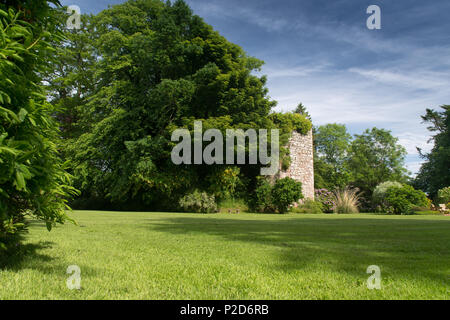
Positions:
{"x": 192, "y": 256}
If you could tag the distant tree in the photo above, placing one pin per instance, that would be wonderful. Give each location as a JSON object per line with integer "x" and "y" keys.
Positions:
{"x": 70, "y": 78}
{"x": 332, "y": 143}
{"x": 375, "y": 157}
{"x": 301, "y": 109}
{"x": 435, "y": 172}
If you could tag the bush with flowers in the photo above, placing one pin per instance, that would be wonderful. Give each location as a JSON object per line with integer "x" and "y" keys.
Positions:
{"x": 327, "y": 199}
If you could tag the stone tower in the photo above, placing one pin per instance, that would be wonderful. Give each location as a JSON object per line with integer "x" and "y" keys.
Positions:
{"x": 302, "y": 162}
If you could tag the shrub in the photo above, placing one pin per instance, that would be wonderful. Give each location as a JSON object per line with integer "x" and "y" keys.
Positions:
{"x": 310, "y": 206}
{"x": 346, "y": 200}
{"x": 429, "y": 203}
{"x": 33, "y": 180}
{"x": 402, "y": 200}
{"x": 285, "y": 192}
{"x": 444, "y": 195}
{"x": 379, "y": 194}
{"x": 261, "y": 201}
{"x": 290, "y": 122}
{"x": 224, "y": 182}
{"x": 198, "y": 202}
{"x": 326, "y": 198}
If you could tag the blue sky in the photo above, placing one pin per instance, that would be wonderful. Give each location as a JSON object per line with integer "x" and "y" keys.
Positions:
{"x": 320, "y": 53}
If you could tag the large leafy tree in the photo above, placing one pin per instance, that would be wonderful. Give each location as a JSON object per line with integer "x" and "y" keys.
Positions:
{"x": 70, "y": 76}
{"x": 332, "y": 143}
{"x": 435, "y": 172}
{"x": 158, "y": 68}
{"x": 375, "y": 157}
{"x": 32, "y": 177}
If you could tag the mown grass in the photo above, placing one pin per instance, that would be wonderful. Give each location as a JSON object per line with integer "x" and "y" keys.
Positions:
{"x": 246, "y": 256}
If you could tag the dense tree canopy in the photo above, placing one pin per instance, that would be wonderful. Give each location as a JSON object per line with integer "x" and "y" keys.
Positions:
{"x": 154, "y": 67}
{"x": 375, "y": 157}
{"x": 332, "y": 143}
{"x": 435, "y": 172}
{"x": 70, "y": 77}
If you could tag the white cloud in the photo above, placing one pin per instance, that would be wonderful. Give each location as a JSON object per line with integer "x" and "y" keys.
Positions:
{"x": 302, "y": 71}
{"x": 411, "y": 141}
{"x": 362, "y": 102}
{"x": 421, "y": 80}
{"x": 414, "y": 167}
{"x": 267, "y": 22}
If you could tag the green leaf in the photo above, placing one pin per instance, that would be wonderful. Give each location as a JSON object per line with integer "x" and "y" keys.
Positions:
{"x": 20, "y": 181}
{"x": 9, "y": 150}
{"x": 22, "y": 114}
{"x": 8, "y": 113}
{"x": 24, "y": 170}
{"x": 32, "y": 121}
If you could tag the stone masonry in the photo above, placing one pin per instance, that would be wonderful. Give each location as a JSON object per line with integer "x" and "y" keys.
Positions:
{"x": 302, "y": 162}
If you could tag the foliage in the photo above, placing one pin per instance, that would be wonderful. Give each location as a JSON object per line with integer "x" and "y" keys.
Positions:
{"x": 402, "y": 200}
{"x": 285, "y": 192}
{"x": 32, "y": 177}
{"x": 346, "y": 200}
{"x": 444, "y": 195}
{"x": 379, "y": 194}
{"x": 70, "y": 78}
{"x": 224, "y": 182}
{"x": 289, "y": 122}
{"x": 128, "y": 86}
{"x": 326, "y": 198}
{"x": 301, "y": 109}
{"x": 36, "y": 12}
{"x": 320, "y": 174}
{"x": 374, "y": 157}
{"x": 261, "y": 200}
{"x": 198, "y": 202}
{"x": 332, "y": 143}
{"x": 280, "y": 196}
{"x": 364, "y": 161}
{"x": 435, "y": 172}
{"x": 309, "y": 206}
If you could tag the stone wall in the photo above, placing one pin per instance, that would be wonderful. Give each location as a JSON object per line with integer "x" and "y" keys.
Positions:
{"x": 302, "y": 162}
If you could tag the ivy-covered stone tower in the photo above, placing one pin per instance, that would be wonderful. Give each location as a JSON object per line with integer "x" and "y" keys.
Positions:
{"x": 302, "y": 162}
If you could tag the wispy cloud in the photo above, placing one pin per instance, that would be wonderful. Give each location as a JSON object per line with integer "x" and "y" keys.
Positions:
{"x": 295, "y": 72}
{"x": 422, "y": 80}
{"x": 411, "y": 141}
{"x": 241, "y": 13}
{"x": 414, "y": 167}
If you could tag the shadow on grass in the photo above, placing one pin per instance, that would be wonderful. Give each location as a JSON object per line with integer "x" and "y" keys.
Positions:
{"x": 20, "y": 255}
{"x": 14, "y": 258}
{"x": 409, "y": 249}
{"x": 33, "y": 256}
